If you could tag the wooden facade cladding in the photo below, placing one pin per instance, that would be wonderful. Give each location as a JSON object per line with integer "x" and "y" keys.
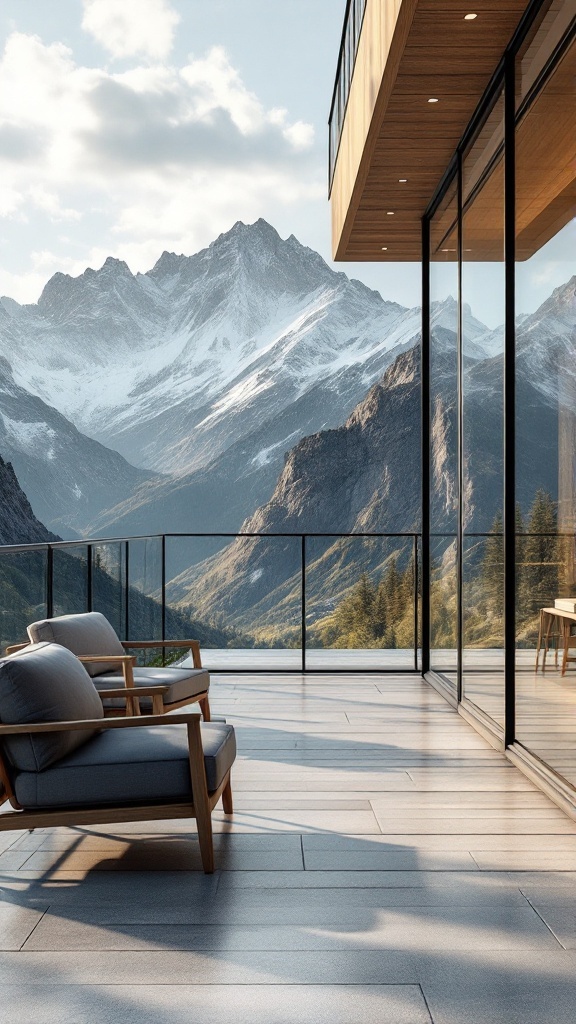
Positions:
{"x": 409, "y": 51}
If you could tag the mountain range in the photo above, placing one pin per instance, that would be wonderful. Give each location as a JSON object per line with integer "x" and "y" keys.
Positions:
{"x": 202, "y": 372}
{"x": 186, "y": 399}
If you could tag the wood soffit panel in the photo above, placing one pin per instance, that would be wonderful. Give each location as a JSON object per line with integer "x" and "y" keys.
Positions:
{"x": 444, "y": 57}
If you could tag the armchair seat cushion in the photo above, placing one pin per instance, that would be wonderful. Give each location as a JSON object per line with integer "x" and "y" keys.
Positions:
{"x": 184, "y": 683}
{"x": 144, "y": 765}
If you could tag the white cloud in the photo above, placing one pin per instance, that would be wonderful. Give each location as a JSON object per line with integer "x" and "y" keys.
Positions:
{"x": 50, "y": 204}
{"x": 151, "y": 158}
{"x": 132, "y": 27}
{"x": 215, "y": 84}
{"x": 11, "y": 202}
{"x": 300, "y": 135}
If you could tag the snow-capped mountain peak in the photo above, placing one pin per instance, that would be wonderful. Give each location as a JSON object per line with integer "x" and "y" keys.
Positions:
{"x": 164, "y": 366}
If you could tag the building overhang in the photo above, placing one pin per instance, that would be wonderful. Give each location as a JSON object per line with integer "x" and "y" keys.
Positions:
{"x": 395, "y": 145}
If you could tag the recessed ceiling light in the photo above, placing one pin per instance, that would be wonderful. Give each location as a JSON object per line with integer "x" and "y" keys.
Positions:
{"x": 470, "y": 17}
{"x": 433, "y": 99}
{"x": 384, "y": 248}
{"x": 390, "y": 213}
{"x": 402, "y": 180}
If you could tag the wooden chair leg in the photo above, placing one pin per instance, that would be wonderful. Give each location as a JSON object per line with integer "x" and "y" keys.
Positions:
{"x": 158, "y": 705}
{"x": 227, "y": 801}
{"x": 540, "y": 634}
{"x": 200, "y": 796}
{"x": 549, "y": 625}
{"x": 205, "y": 708}
{"x": 566, "y": 636}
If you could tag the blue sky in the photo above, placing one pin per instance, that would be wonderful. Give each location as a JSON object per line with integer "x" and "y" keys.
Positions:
{"x": 132, "y": 126}
{"x": 146, "y": 125}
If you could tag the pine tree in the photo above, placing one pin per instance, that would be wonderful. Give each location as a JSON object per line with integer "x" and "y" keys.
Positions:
{"x": 391, "y": 585}
{"x": 540, "y": 574}
{"x": 365, "y": 594}
{"x": 380, "y": 612}
{"x": 492, "y": 569}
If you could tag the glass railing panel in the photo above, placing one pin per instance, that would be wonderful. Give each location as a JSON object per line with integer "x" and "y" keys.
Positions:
{"x": 23, "y": 578}
{"x": 109, "y": 583}
{"x": 483, "y": 622}
{"x": 444, "y": 606}
{"x": 240, "y": 597}
{"x": 361, "y": 608}
{"x": 70, "y": 580}
{"x": 145, "y": 589}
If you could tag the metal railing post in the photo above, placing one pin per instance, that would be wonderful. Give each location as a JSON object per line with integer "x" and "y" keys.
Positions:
{"x": 49, "y": 582}
{"x": 163, "y": 596}
{"x": 89, "y": 577}
{"x": 416, "y": 583}
{"x": 303, "y": 598}
{"x": 126, "y": 590}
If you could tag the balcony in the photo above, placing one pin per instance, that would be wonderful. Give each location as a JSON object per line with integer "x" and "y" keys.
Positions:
{"x": 384, "y": 862}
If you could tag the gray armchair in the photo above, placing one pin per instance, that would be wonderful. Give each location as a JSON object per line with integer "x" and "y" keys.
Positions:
{"x": 63, "y": 763}
{"x": 93, "y": 640}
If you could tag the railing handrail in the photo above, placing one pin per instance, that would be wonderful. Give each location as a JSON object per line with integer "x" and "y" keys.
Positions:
{"x": 95, "y": 541}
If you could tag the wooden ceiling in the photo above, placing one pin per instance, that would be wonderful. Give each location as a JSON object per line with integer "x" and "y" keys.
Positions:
{"x": 545, "y": 178}
{"x": 433, "y": 52}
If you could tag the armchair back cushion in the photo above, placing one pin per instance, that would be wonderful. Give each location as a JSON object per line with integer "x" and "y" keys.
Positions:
{"x": 88, "y": 634}
{"x": 45, "y": 683}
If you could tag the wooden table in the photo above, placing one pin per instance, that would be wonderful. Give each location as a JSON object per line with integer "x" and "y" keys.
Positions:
{"x": 546, "y": 632}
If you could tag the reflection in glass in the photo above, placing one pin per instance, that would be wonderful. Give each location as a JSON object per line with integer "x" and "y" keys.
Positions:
{"x": 546, "y": 402}
{"x": 483, "y": 314}
{"x": 444, "y": 332}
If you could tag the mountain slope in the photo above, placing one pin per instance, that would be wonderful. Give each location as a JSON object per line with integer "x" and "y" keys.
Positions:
{"x": 365, "y": 478}
{"x": 336, "y": 481}
{"x": 222, "y": 494}
{"x": 68, "y": 477}
{"x": 18, "y": 524}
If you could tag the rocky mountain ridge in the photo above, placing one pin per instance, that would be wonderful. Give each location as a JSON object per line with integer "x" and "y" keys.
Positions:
{"x": 18, "y": 524}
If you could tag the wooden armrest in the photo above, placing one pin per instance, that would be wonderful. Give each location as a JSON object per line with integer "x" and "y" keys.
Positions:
{"x": 99, "y": 723}
{"x": 116, "y": 659}
{"x": 158, "y": 643}
{"x": 192, "y": 645}
{"x": 138, "y": 691}
{"x": 16, "y": 647}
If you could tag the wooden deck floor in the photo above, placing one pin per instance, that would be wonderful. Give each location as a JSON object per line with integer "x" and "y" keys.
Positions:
{"x": 384, "y": 865}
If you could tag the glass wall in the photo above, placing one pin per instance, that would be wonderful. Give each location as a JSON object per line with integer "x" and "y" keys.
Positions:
{"x": 482, "y": 412}
{"x": 503, "y": 387}
{"x": 546, "y": 404}
{"x": 444, "y": 484}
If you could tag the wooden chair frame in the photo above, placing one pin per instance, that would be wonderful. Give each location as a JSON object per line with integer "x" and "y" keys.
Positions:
{"x": 201, "y": 808}
{"x": 127, "y": 663}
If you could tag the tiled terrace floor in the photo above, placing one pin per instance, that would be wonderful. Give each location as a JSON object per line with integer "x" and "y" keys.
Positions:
{"x": 385, "y": 866}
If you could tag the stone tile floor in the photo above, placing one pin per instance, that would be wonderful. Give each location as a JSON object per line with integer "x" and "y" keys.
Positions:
{"x": 384, "y": 865}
